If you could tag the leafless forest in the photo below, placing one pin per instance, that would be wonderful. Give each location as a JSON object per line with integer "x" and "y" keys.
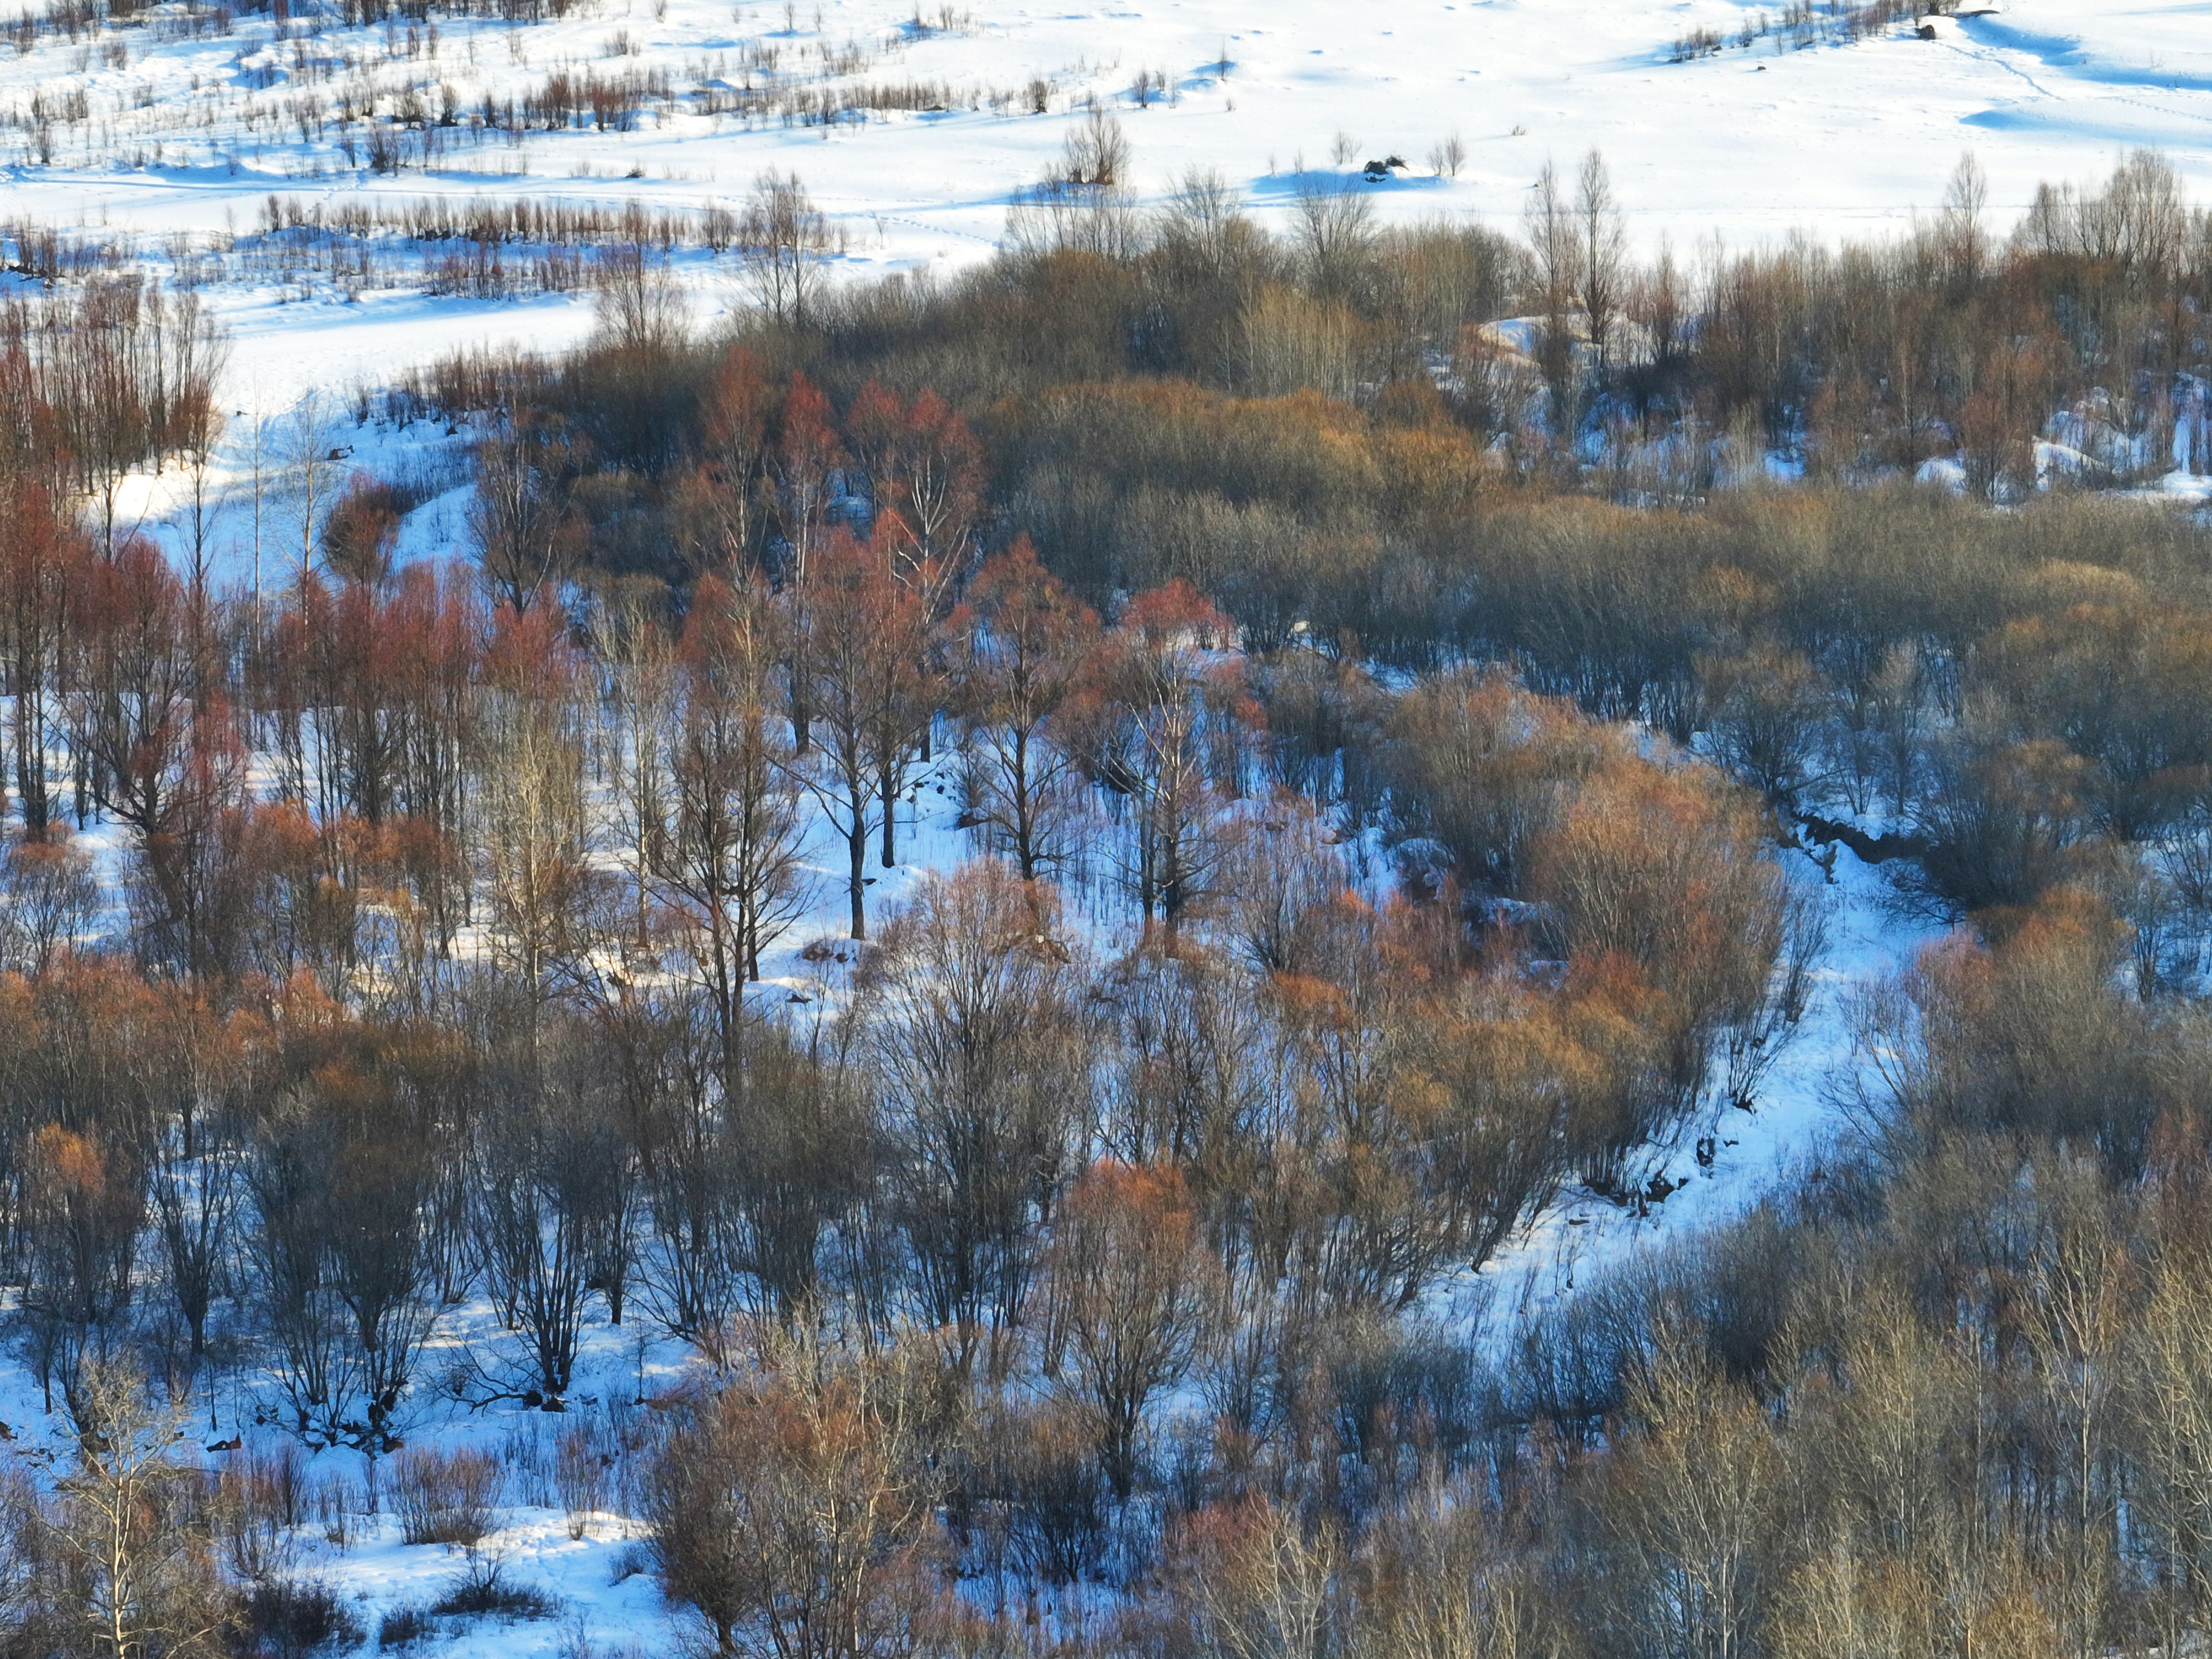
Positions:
{"x": 1456, "y": 716}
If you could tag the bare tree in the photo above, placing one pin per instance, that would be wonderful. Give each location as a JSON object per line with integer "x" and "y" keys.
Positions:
{"x": 195, "y": 1203}
{"x": 1441, "y": 1579}
{"x": 289, "y": 1179}
{"x": 39, "y": 560}
{"x": 783, "y": 240}
{"x": 536, "y": 842}
{"x": 726, "y": 849}
{"x": 865, "y": 635}
{"x": 638, "y": 658}
{"x": 1333, "y": 221}
{"x": 1204, "y": 221}
{"x": 1021, "y": 642}
{"x": 1259, "y": 1581}
{"x": 806, "y": 1165}
{"x": 641, "y": 307}
{"x": 1694, "y": 1545}
{"x": 1084, "y": 203}
{"x": 140, "y": 1575}
{"x": 258, "y": 487}
{"x": 2081, "y": 1318}
{"x": 83, "y": 1206}
{"x": 802, "y": 470}
{"x": 1964, "y": 240}
{"x": 734, "y": 450}
{"x": 315, "y": 475}
{"x": 50, "y": 895}
{"x": 1604, "y": 255}
{"x": 1555, "y": 241}
{"x": 984, "y": 1092}
{"x": 199, "y": 425}
{"x": 2169, "y": 1398}
{"x": 526, "y": 533}
{"x": 1168, "y": 716}
{"x": 1128, "y": 1297}
{"x": 547, "y": 1148}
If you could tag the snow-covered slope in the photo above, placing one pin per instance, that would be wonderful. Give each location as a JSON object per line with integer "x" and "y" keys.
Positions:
{"x": 166, "y": 144}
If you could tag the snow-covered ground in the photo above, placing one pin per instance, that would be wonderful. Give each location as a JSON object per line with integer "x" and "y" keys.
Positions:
{"x": 187, "y": 136}
{"x": 601, "y": 1594}
{"x": 1792, "y": 1122}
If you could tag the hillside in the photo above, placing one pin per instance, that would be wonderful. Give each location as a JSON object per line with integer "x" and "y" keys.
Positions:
{"x": 1214, "y": 831}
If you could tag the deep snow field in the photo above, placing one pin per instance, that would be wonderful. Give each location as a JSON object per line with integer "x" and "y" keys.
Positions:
{"x": 1750, "y": 145}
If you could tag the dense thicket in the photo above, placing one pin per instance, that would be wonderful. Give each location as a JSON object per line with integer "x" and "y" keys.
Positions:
{"x": 1329, "y": 433}
{"x": 1154, "y": 386}
{"x": 1387, "y": 808}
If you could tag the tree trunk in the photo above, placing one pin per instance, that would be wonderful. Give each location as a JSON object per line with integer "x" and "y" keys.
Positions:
{"x": 887, "y": 787}
{"x": 857, "y": 843}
